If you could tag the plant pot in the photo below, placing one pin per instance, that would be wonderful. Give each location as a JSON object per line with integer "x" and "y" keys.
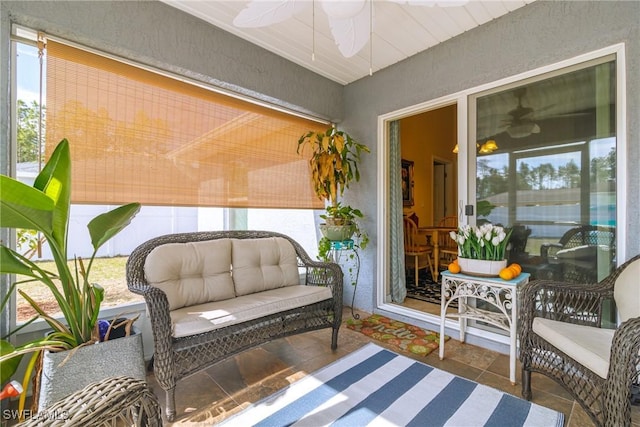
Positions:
{"x": 336, "y": 221}
{"x": 481, "y": 267}
{"x": 337, "y": 232}
{"x": 88, "y": 364}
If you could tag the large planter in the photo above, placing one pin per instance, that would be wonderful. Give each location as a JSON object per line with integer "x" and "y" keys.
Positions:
{"x": 481, "y": 267}
{"x": 337, "y": 233}
{"x": 66, "y": 372}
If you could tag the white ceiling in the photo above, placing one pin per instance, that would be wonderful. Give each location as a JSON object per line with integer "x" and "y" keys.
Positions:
{"x": 400, "y": 29}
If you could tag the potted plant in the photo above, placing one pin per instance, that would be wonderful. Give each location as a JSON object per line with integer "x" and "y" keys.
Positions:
{"x": 45, "y": 208}
{"x": 334, "y": 165}
{"x": 341, "y": 224}
{"x": 481, "y": 248}
{"x": 346, "y": 225}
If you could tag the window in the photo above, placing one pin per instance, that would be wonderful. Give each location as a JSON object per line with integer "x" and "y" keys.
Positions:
{"x": 552, "y": 169}
{"x": 550, "y": 172}
{"x": 196, "y": 158}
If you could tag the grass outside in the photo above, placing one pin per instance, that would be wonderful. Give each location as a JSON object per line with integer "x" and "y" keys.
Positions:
{"x": 107, "y": 272}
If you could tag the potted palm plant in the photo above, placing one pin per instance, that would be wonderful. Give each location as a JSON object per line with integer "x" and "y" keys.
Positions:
{"x": 45, "y": 207}
{"x": 334, "y": 165}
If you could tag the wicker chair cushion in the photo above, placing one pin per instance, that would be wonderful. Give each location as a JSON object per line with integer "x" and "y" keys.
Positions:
{"x": 263, "y": 264}
{"x": 585, "y": 252}
{"x": 207, "y": 317}
{"x": 626, "y": 292}
{"x": 191, "y": 273}
{"x": 587, "y": 345}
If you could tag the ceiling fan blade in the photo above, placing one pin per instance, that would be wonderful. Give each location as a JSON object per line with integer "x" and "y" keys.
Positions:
{"x": 263, "y": 13}
{"x": 351, "y": 34}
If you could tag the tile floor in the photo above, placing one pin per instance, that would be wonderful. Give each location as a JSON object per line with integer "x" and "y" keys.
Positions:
{"x": 212, "y": 395}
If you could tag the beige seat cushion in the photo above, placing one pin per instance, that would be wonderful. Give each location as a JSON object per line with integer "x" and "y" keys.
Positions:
{"x": 263, "y": 264}
{"x": 207, "y": 317}
{"x": 191, "y": 273}
{"x": 626, "y": 292}
{"x": 589, "y": 346}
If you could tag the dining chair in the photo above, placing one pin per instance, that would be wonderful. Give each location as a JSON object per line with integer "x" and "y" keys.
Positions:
{"x": 448, "y": 221}
{"x": 416, "y": 254}
{"x": 561, "y": 336}
{"x": 447, "y": 247}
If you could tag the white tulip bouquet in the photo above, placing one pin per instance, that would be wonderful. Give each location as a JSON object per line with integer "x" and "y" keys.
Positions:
{"x": 486, "y": 242}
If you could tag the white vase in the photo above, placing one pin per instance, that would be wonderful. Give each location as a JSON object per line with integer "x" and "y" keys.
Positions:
{"x": 481, "y": 267}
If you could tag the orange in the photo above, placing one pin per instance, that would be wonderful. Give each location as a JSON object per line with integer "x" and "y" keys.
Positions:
{"x": 455, "y": 261}
{"x": 454, "y": 267}
{"x": 514, "y": 271}
{"x": 506, "y": 273}
{"x": 517, "y": 268}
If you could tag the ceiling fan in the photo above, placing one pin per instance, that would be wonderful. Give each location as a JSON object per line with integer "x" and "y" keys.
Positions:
{"x": 521, "y": 124}
{"x": 351, "y": 21}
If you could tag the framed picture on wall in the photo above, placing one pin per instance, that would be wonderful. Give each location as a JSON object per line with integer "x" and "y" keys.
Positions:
{"x": 407, "y": 182}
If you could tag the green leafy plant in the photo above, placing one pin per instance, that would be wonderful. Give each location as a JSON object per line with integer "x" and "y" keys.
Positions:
{"x": 45, "y": 208}
{"x": 334, "y": 165}
{"x": 346, "y": 213}
{"x": 334, "y": 162}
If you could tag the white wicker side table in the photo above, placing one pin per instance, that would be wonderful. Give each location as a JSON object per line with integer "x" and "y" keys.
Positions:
{"x": 501, "y": 294}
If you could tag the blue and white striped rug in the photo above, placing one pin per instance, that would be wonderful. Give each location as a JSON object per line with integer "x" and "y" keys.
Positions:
{"x": 377, "y": 387}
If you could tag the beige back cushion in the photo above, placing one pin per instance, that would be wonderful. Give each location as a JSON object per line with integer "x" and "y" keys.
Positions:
{"x": 191, "y": 273}
{"x": 626, "y": 292}
{"x": 263, "y": 264}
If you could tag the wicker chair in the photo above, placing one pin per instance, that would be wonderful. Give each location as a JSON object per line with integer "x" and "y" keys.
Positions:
{"x": 574, "y": 257}
{"x": 177, "y": 358}
{"x": 561, "y": 337}
{"x": 115, "y": 401}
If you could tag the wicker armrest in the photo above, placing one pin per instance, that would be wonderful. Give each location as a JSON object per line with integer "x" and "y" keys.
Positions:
{"x": 624, "y": 367}
{"x": 567, "y": 302}
{"x": 112, "y": 401}
{"x": 547, "y": 249}
{"x": 324, "y": 274}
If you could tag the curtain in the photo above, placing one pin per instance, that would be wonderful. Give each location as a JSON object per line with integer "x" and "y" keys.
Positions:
{"x": 396, "y": 233}
{"x": 138, "y": 135}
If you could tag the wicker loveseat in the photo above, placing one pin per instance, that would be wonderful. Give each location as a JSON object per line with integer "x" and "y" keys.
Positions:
{"x": 213, "y": 294}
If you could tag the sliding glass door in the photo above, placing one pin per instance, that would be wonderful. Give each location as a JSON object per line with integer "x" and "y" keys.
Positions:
{"x": 545, "y": 166}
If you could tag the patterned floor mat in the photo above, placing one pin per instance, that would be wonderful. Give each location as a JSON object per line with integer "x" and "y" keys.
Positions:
{"x": 427, "y": 290}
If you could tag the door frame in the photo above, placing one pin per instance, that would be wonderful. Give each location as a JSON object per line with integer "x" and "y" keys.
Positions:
{"x": 448, "y": 188}
{"x": 466, "y": 159}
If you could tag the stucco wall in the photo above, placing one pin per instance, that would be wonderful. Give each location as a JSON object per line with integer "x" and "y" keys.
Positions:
{"x": 538, "y": 34}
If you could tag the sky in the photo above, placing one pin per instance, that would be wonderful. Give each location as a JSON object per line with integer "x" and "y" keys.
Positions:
{"x": 27, "y": 73}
